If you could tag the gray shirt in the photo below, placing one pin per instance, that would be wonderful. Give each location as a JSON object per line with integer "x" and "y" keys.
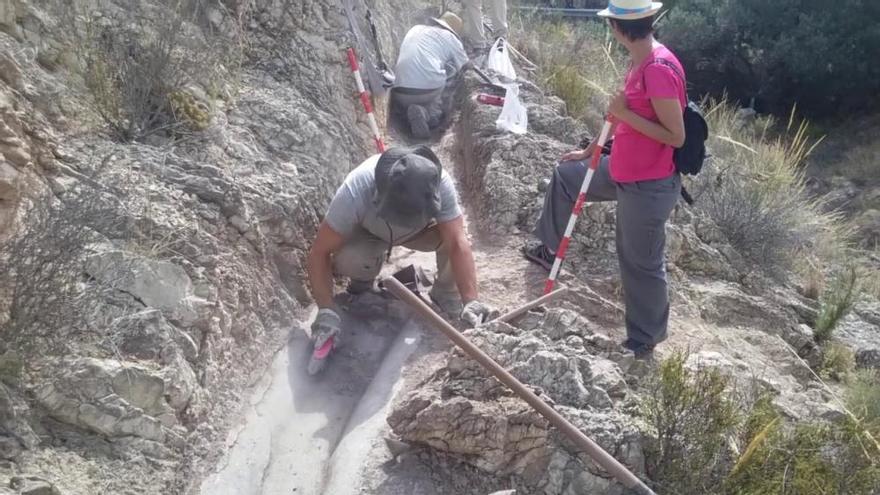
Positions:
{"x": 426, "y": 54}
{"x": 353, "y": 207}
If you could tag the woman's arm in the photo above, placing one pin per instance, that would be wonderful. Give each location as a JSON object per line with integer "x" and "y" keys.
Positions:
{"x": 670, "y": 129}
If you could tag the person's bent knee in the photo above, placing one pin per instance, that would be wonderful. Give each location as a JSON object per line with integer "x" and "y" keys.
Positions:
{"x": 358, "y": 261}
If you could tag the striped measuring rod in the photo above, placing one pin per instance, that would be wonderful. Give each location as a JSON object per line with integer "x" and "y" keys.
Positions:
{"x": 365, "y": 100}
{"x": 578, "y": 206}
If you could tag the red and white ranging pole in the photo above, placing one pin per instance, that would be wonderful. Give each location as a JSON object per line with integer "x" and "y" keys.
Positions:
{"x": 365, "y": 100}
{"x": 578, "y": 206}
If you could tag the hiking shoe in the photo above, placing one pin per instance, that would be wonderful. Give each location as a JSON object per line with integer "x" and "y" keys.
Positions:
{"x": 540, "y": 255}
{"x": 639, "y": 349}
{"x": 449, "y": 301}
{"x": 418, "y": 121}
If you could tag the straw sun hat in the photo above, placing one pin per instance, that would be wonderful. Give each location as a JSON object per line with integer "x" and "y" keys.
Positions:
{"x": 630, "y": 9}
{"x": 449, "y": 21}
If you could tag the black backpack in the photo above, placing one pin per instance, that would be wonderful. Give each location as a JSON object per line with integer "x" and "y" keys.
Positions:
{"x": 690, "y": 157}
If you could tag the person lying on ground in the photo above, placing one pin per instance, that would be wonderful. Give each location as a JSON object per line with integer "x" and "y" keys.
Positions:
{"x": 401, "y": 197}
{"x": 431, "y": 58}
{"x": 639, "y": 174}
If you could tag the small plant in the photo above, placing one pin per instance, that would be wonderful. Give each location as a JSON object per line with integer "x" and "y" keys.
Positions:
{"x": 863, "y": 397}
{"x": 567, "y": 84}
{"x": 809, "y": 458}
{"x": 754, "y": 190}
{"x": 136, "y": 67}
{"x": 578, "y": 62}
{"x": 48, "y": 300}
{"x": 836, "y": 302}
{"x": 691, "y": 415}
{"x": 838, "y": 361}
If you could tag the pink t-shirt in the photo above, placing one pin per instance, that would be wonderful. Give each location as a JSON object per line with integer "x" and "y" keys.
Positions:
{"x": 634, "y": 156}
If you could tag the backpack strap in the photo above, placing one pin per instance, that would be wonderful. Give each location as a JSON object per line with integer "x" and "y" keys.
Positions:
{"x": 666, "y": 63}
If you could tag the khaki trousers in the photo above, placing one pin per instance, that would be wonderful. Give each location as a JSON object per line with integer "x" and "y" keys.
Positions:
{"x": 362, "y": 257}
{"x": 473, "y": 19}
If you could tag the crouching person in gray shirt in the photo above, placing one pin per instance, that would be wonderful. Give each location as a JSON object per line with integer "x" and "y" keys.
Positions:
{"x": 402, "y": 197}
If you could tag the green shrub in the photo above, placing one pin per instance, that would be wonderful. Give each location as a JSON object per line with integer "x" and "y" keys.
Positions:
{"x": 838, "y": 361}
{"x": 137, "y": 68}
{"x": 754, "y": 190}
{"x": 840, "y": 458}
{"x": 836, "y": 302}
{"x": 690, "y": 415}
{"x": 810, "y": 458}
{"x": 576, "y": 61}
{"x": 783, "y": 52}
{"x": 863, "y": 397}
{"x": 568, "y": 84}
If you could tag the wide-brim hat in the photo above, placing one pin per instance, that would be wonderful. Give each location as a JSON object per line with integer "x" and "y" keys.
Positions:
{"x": 408, "y": 186}
{"x": 630, "y": 9}
{"x": 450, "y": 22}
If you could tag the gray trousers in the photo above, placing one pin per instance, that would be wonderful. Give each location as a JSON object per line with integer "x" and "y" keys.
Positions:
{"x": 431, "y": 99}
{"x": 362, "y": 256}
{"x": 642, "y": 211}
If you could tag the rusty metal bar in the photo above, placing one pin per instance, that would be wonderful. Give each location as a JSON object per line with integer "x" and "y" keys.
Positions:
{"x": 531, "y": 304}
{"x": 583, "y": 442}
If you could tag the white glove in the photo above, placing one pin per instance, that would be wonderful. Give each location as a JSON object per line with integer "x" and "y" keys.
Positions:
{"x": 327, "y": 324}
{"x": 475, "y": 313}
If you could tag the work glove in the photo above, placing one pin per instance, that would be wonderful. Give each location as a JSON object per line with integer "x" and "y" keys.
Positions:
{"x": 475, "y": 313}
{"x": 327, "y": 324}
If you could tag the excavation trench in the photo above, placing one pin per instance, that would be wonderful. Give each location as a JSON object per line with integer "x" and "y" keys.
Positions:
{"x": 324, "y": 435}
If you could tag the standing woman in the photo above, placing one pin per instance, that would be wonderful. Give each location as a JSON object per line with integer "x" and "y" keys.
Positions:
{"x": 640, "y": 174}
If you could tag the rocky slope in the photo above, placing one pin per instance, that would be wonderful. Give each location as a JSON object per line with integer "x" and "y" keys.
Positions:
{"x": 725, "y": 315}
{"x": 189, "y": 247}
{"x": 180, "y": 258}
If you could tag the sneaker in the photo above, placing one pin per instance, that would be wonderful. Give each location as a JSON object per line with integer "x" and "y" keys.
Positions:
{"x": 418, "y": 121}
{"x": 540, "y": 255}
{"x": 639, "y": 349}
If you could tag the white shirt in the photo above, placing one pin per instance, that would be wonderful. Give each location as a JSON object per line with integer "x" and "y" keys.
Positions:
{"x": 426, "y": 54}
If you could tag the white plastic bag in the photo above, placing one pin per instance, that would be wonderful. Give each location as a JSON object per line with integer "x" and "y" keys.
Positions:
{"x": 513, "y": 117}
{"x": 499, "y": 60}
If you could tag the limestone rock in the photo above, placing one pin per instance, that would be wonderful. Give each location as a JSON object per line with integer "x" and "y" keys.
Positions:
{"x": 10, "y": 72}
{"x": 8, "y": 177}
{"x": 860, "y": 332}
{"x": 157, "y": 284}
{"x": 726, "y": 304}
{"x": 33, "y": 485}
{"x": 109, "y": 398}
{"x": 15, "y": 432}
{"x": 469, "y": 414}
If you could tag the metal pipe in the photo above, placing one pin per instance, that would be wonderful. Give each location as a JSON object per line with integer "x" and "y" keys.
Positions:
{"x": 558, "y": 11}
{"x": 488, "y": 80}
{"x": 531, "y": 304}
{"x": 583, "y": 442}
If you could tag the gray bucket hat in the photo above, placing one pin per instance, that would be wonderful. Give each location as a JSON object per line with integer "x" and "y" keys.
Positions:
{"x": 408, "y": 186}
